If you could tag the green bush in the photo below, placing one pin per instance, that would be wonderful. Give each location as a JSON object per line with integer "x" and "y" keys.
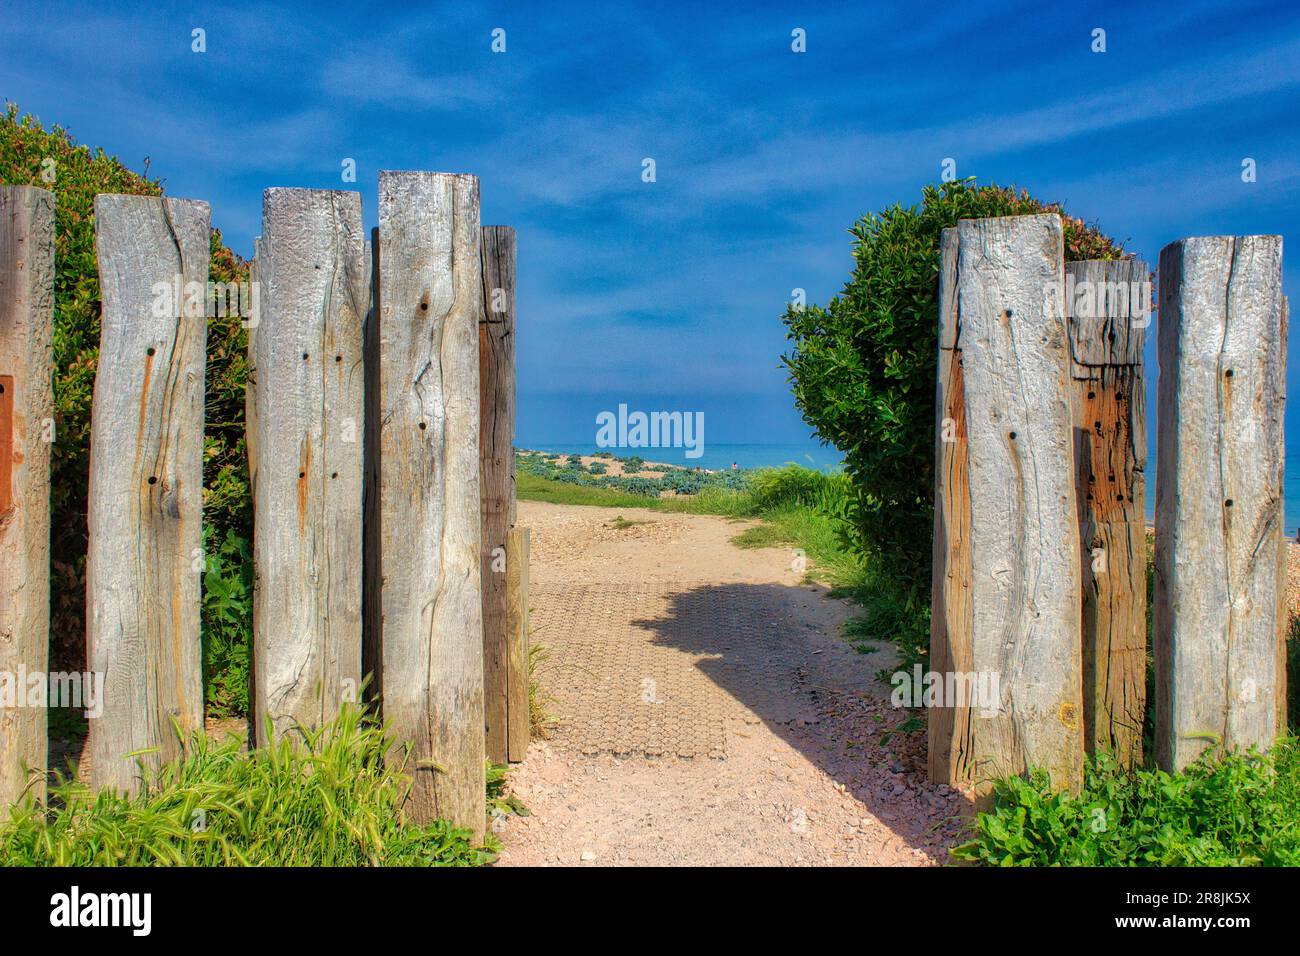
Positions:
{"x": 862, "y": 369}
{"x": 79, "y": 174}
{"x": 328, "y": 801}
{"x": 1225, "y": 810}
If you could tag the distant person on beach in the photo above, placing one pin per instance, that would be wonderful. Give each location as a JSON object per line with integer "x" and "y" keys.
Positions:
{"x": 733, "y": 466}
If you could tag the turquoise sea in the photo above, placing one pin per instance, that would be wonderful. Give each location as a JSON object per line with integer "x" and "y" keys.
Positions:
{"x": 715, "y": 456}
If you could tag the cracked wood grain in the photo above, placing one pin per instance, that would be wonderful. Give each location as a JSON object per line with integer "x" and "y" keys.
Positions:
{"x": 1025, "y": 585}
{"x": 145, "y": 556}
{"x": 1108, "y": 309}
{"x": 26, "y": 362}
{"x": 308, "y": 393}
{"x": 1218, "y": 619}
{"x": 951, "y": 753}
{"x": 429, "y": 527}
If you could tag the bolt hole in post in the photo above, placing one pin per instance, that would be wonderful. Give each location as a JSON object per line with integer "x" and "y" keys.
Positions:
{"x": 149, "y": 351}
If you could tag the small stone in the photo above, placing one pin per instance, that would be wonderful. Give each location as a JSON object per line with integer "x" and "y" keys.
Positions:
{"x": 588, "y": 856}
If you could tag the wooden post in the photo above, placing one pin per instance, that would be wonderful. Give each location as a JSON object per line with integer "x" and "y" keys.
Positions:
{"x": 497, "y": 476}
{"x": 1024, "y": 532}
{"x": 26, "y": 432}
{"x": 1218, "y": 616}
{"x": 430, "y": 284}
{"x": 951, "y": 749}
{"x": 1108, "y": 306}
{"x": 146, "y": 481}
{"x": 372, "y": 580}
{"x": 309, "y": 437}
{"x": 517, "y": 640}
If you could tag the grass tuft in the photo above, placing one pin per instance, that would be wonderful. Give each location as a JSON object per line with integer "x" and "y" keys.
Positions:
{"x": 327, "y": 800}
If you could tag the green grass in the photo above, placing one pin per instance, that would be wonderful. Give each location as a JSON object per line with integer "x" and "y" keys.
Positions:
{"x": 1225, "y": 810}
{"x": 532, "y": 488}
{"x": 328, "y": 801}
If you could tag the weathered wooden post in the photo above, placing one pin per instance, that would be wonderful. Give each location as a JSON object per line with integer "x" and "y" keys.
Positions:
{"x": 1108, "y": 306}
{"x": 1024, "y": 533}
{"x": 431, "y": 627}
{"x": 26, "y": 432}
{"x": 516, "y": 621}
{"x": 497, "y": 474}
{"x": 146, "y": 481}
{"x": 309, "y": 393}
{"x": 951, "y": 749}
{"x": 1219, "y": 618}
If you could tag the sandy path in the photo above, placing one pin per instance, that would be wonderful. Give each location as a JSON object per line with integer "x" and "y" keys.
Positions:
{"x": 708, "y": 713}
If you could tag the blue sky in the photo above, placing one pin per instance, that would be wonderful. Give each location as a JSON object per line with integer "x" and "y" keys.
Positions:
{"x": 668, "y": 295}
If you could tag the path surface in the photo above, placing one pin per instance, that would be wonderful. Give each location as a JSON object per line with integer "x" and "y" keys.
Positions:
{"x": 707, "y": 711}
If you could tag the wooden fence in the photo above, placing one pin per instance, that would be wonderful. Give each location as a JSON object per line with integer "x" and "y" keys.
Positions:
{"x": 371, "y": 499}
{"x": 381, "y": 411}
{"x": 1038, "y": 638}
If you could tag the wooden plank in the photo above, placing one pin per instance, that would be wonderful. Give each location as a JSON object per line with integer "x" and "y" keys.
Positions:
{"x": 951, "y": 749}
{"x": 1217, "y": 617}
{"x": 146, "y": 481}
{"x": 430, "y": 284}
{"x": 517, "y": 636}
{"x": 1107, "y": 309}
{"x": 1108, "y": 305}
{"x": 307, "y": 490}
{"x": 1024, "y": 536}
{"x": 26, "y": 406}
{"x": 371, "y": 598}
{"x": 497, "y": 474}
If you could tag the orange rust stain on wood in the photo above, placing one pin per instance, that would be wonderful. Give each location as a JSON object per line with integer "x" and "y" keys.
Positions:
{"x": 304, "y": 473}
{"x": 1109, "y": 481}
{"x": 144, "y": 392}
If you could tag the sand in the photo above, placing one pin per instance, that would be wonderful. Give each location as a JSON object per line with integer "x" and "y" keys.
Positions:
{"x": 816, "y": 770}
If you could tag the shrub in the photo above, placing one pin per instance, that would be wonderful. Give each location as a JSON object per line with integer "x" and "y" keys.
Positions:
{"x": 328, "y": 801}
{"x": 1224, "y": 810}
{"x": 227, "y": 623}
{"x": 79, "y": 174}
{"x": 862, "y": 369}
